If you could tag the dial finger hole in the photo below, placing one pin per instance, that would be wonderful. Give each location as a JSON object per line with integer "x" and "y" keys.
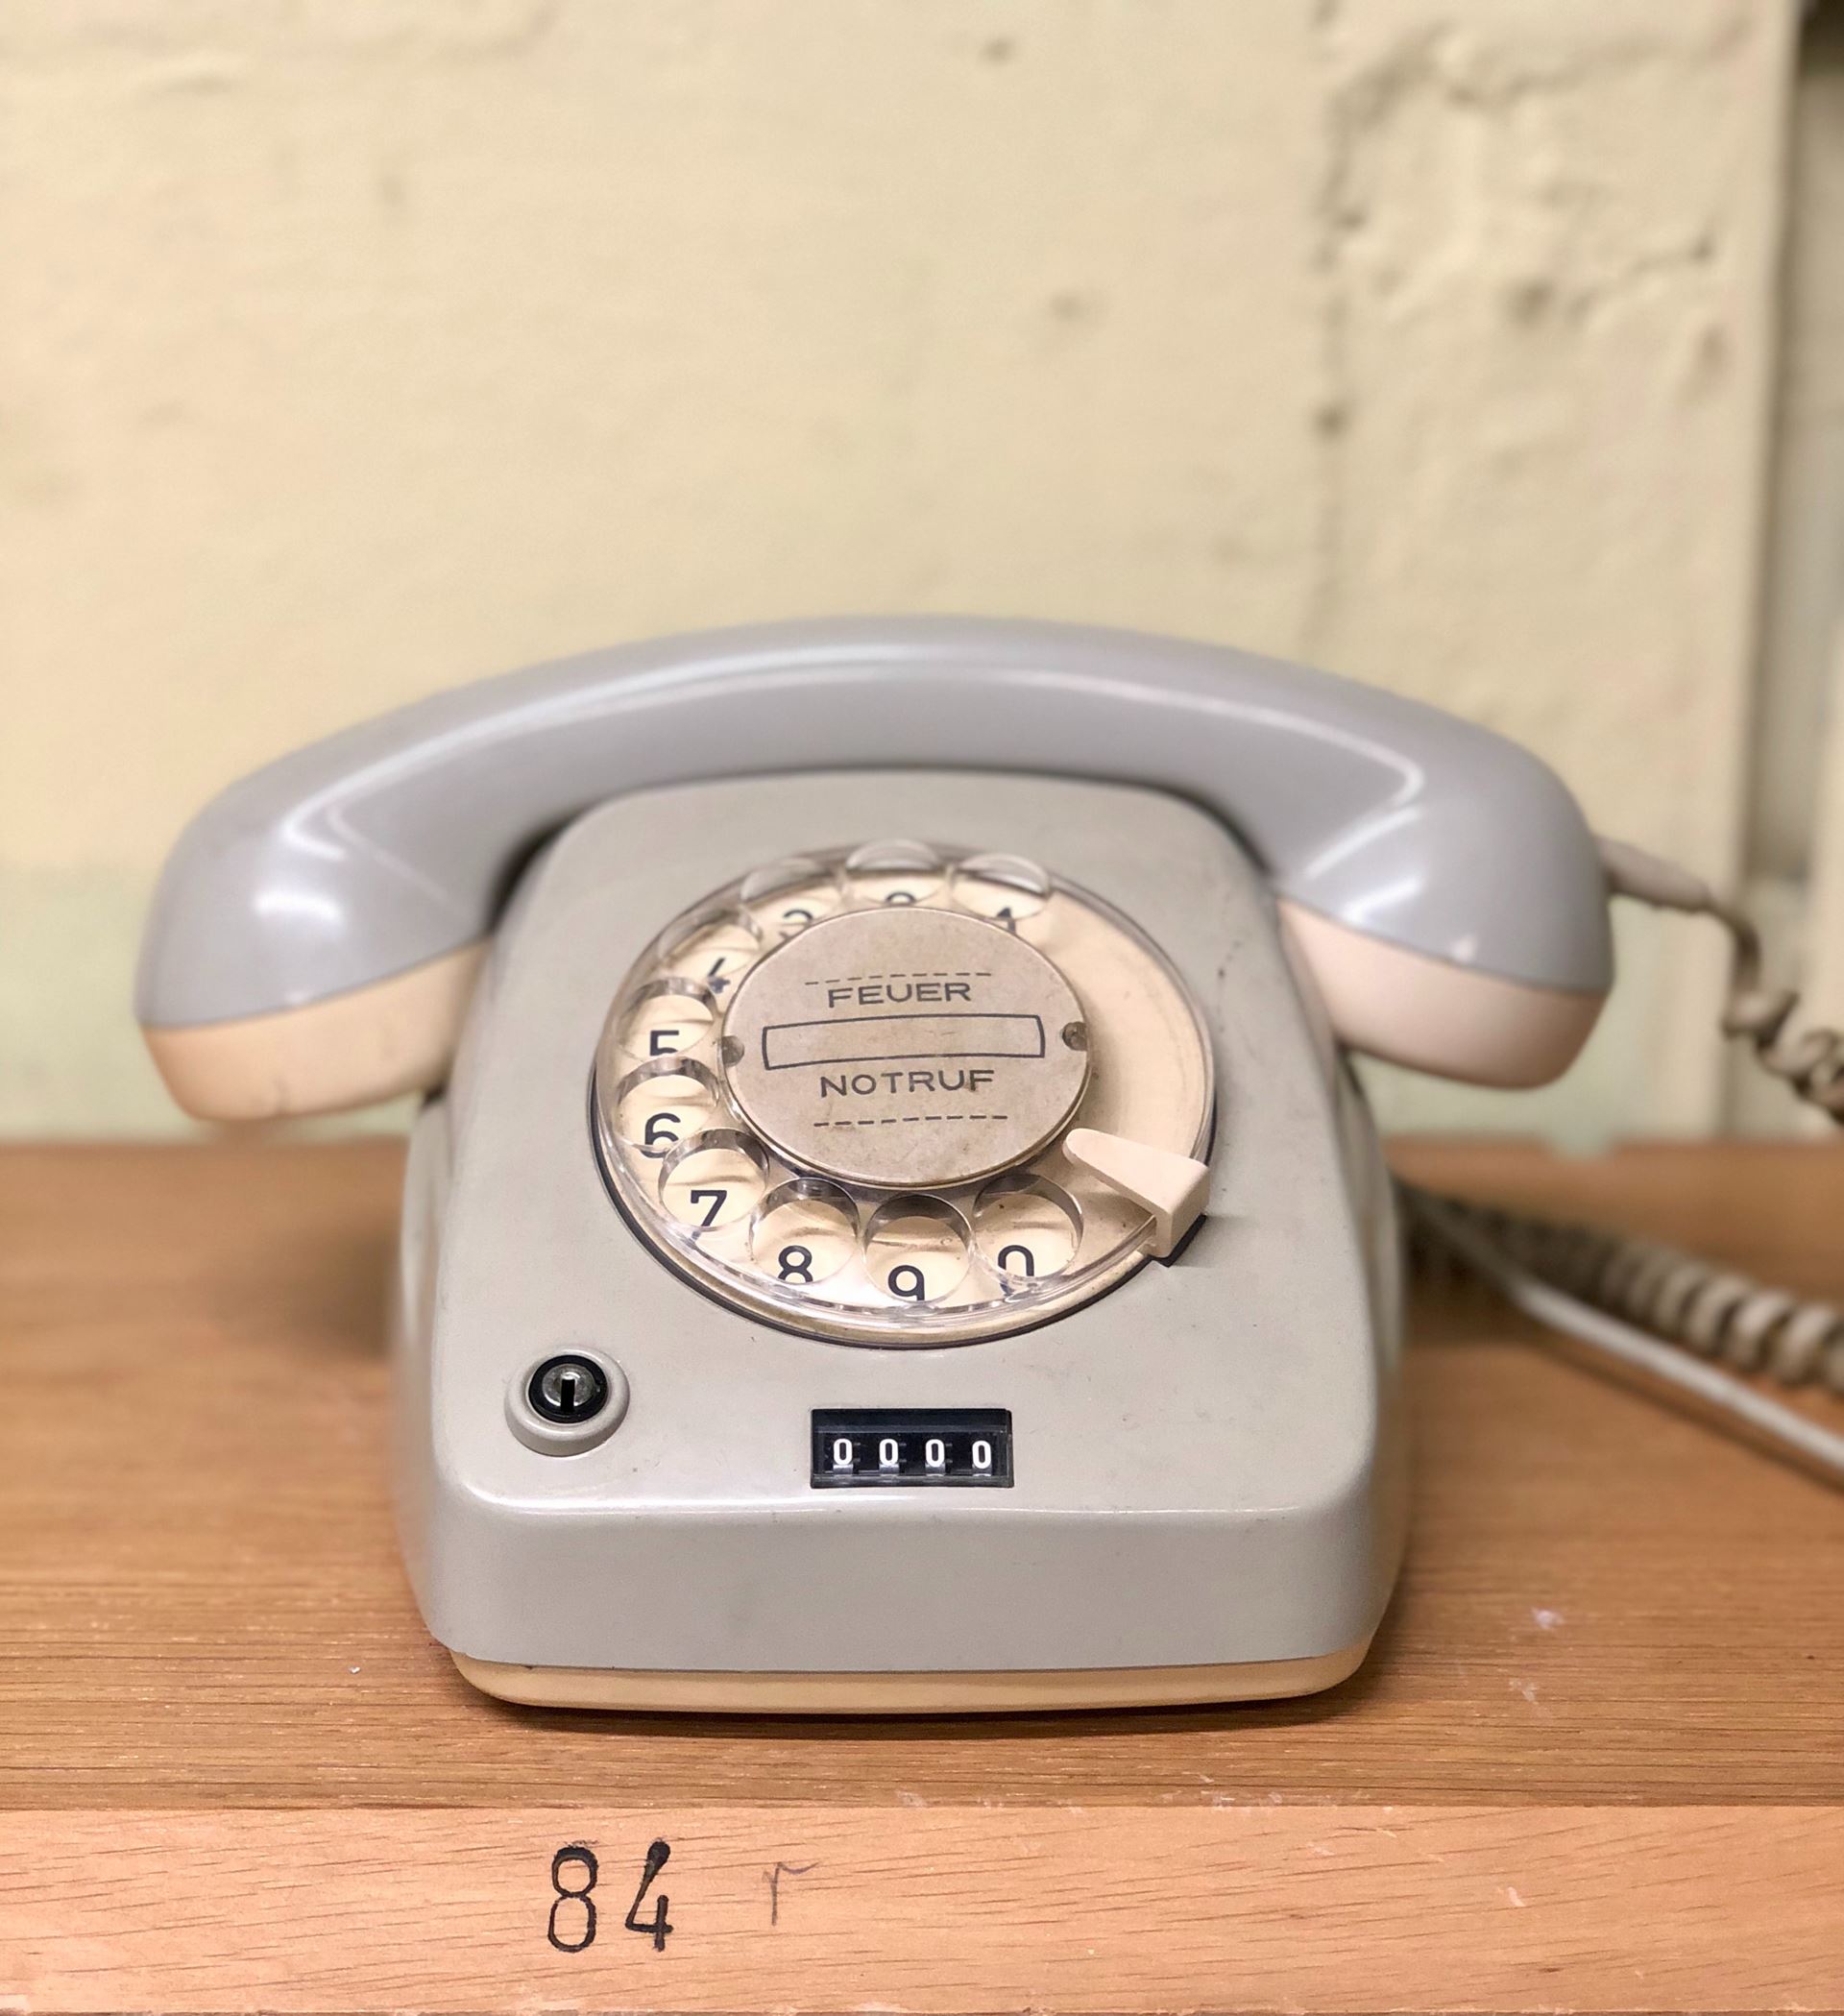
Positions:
{"x": 668, "y": 1016}
{"x": 714, "y": 1179}
{"x": 1006, "y": 887}
{"x": 1026, "y": 1228}
{"x": 786, "y": 896}
{"x": 716, "y": 950}
{"x": 916, "y": 1248}
{"x": 804, "y": 1233}
{"x": 662, "y": 1102}
{"x": 896, "y": 872}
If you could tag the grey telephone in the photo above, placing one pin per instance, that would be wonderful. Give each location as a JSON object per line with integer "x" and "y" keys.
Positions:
{"x": 893, "y": 1226}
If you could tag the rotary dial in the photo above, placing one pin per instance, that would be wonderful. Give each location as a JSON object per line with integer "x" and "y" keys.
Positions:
{"x": 904, "y": 1095}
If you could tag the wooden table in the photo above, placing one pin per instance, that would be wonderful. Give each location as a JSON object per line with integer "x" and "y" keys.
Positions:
{"x": 1595, "y": 1761}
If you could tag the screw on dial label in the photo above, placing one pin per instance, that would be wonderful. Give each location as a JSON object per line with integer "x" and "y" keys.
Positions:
{"x": 906, "y": 1047}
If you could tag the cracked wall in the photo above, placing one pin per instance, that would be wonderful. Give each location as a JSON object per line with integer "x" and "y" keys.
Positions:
{"x": 346, "y": 350}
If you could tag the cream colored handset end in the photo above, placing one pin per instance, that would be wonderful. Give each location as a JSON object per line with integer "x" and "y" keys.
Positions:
{"x": 351, "y": 1050}
{"x": 1433, "y": 1015}
{"x": 1172, "y": 1187}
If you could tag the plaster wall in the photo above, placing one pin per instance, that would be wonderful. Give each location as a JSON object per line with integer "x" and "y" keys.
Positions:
{"x": 352, "y": 347}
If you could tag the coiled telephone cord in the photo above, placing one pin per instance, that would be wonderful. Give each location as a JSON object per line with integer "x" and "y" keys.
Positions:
{"x": 1646, "y": 1309}
{"x": 1675, "y": 1320}
{"x": 1810, "y": 1060}
{"x": 1711, "y": 1310}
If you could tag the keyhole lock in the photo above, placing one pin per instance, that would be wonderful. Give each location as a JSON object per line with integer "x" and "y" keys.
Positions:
{"x": 568, "y": 1390}
{"x": 568, "y": 1402}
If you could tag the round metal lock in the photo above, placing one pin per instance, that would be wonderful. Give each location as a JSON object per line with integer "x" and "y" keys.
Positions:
{"x": 568, "y": 1391}
{"x": 567, "y": 1401}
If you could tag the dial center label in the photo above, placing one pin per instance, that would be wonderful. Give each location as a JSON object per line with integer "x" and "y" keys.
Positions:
{"x": 905, "y": 1048}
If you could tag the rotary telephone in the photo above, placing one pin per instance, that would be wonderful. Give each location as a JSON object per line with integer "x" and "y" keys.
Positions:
{"x": 893, "y": 1225}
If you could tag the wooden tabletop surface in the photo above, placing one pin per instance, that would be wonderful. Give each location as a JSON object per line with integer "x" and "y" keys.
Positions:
{"x": 1605, "y": 1606}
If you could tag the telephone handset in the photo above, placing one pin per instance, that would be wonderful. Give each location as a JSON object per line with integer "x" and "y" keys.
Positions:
{"x": 314, "y": 939}
{"x": 869, "y": 1005}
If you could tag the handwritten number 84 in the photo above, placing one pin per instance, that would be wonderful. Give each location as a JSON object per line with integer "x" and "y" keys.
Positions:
{"x": 574, "y": 1871}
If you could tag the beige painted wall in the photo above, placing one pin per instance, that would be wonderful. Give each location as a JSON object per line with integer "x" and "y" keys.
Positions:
{"x": 351, "y": 348}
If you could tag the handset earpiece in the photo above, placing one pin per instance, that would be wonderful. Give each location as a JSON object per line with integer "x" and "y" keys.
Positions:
{"x": 317, "y": 930}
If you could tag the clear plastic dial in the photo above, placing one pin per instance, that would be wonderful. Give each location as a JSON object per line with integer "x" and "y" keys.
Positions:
{"x": 837, "y": 1093}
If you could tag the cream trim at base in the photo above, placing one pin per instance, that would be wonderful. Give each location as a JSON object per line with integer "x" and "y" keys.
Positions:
{"x": 906, "y": 1693}
{"x": 350, "y": 1050}
{"x": 1435, "y": 1016}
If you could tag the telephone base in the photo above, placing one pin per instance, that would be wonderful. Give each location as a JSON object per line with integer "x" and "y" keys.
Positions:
{"x": 1024, "y": 1692}
{"x": 1193, "y": 1487}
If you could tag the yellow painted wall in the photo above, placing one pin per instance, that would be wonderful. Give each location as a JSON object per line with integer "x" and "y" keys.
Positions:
{"x": 351, "y": 348}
